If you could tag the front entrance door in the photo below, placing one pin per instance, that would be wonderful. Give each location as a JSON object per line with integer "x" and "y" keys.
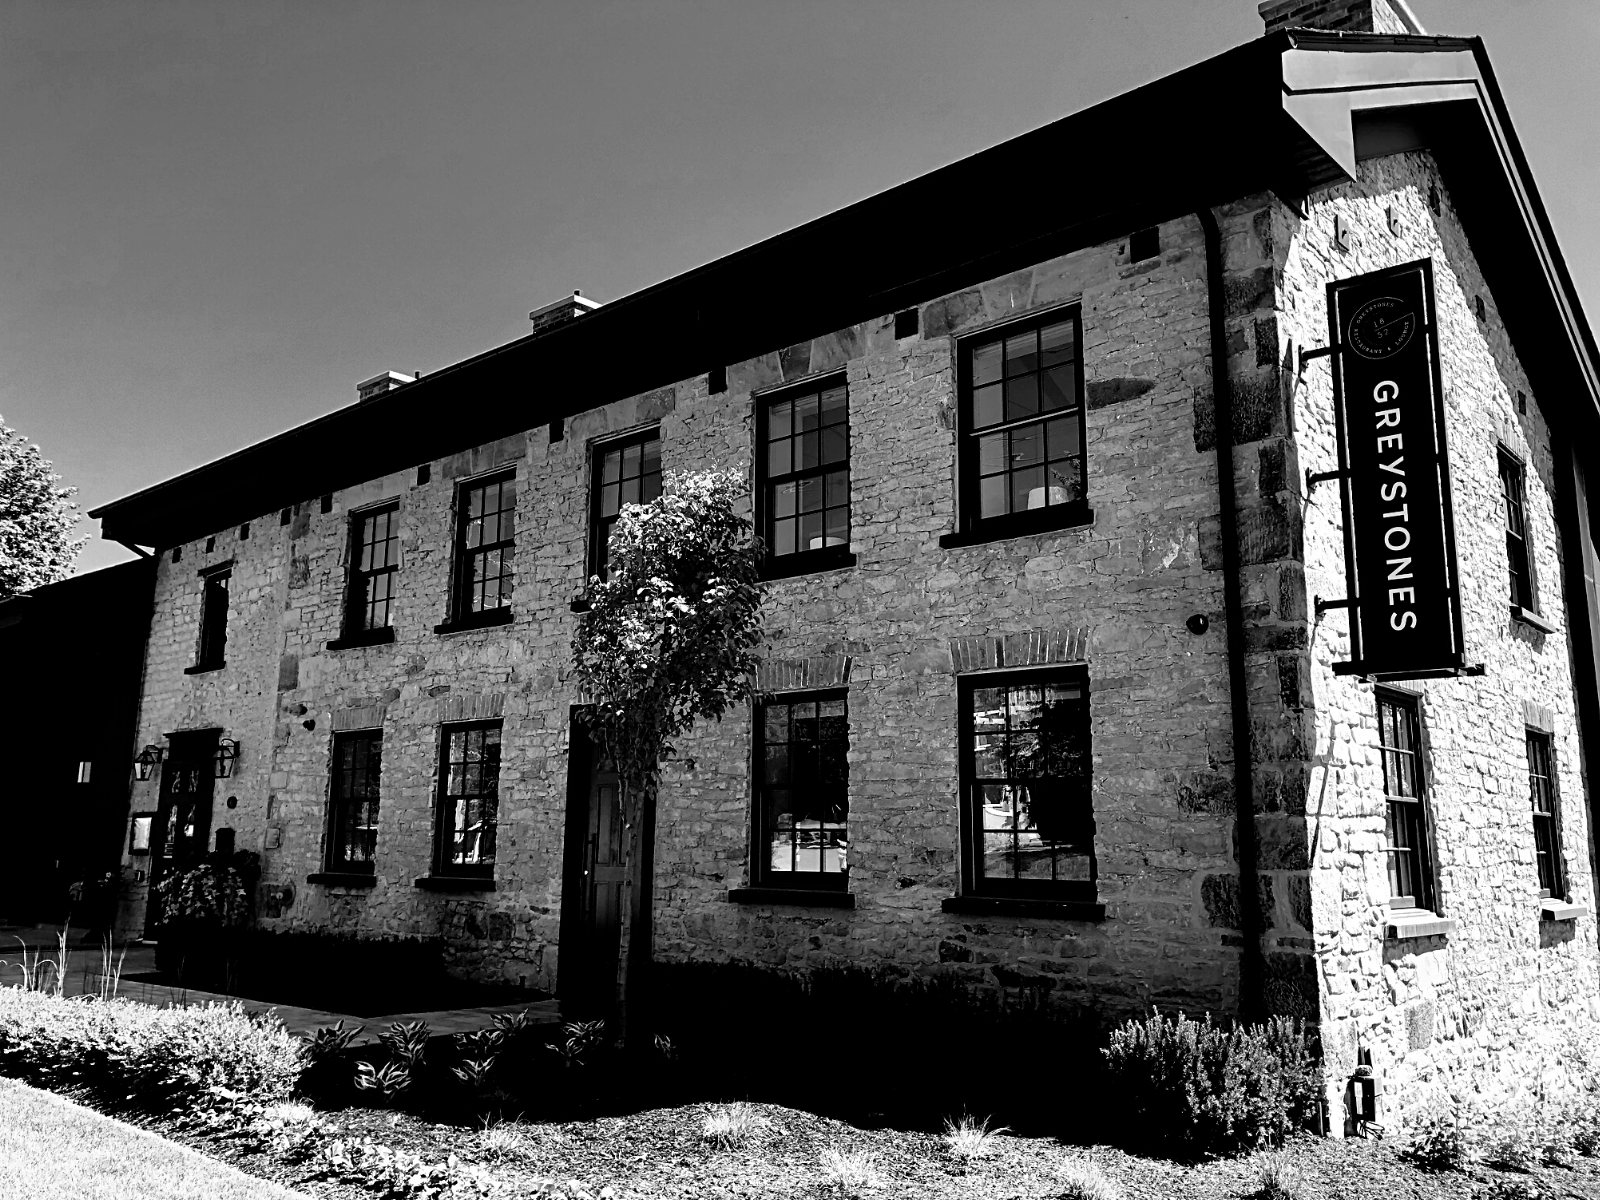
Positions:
{"x": 591, "y": 907}
{"x": 182, "y": 830}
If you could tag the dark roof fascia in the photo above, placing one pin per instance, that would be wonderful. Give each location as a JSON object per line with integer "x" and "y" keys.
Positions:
{"x": 1148, "y": 155}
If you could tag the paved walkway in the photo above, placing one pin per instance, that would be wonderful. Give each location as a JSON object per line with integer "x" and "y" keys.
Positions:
{"x": 87, "y": 973}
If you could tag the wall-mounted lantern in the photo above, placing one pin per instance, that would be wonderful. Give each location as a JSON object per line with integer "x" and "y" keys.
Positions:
{"x": 227, "y": 755}
{"x": 144, "y": 764}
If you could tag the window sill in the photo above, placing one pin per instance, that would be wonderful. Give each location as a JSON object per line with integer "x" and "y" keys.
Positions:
{"x": 479, "y": 620}
{"x": 1560, "y": 910}
{"x": 1010, "y": 906}
{"x": 796, "y": 896}
{"x": 1065, "y": 516}
{"x": 1404, "y": 923}
{"x": 812, "y": 562}
{"x": 203, "y": 668}
{"x": 1530, "y": 618}
{"x": 367, "y": 637}
{"x": 349, "y": 879}
{"x": 454, "y": 883}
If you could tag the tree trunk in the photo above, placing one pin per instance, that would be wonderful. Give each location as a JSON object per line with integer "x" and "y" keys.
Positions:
{"x": 638, "y": 914}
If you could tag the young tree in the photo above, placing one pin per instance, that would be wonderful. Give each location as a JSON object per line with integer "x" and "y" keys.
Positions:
{"x": 36, "y": 518}
{"x": 670, "y": 637}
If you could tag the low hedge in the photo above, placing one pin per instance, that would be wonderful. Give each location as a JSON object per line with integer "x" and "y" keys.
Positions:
{"x": 132, "y": 1056}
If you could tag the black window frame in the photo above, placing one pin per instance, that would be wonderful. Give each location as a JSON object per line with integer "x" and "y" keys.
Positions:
{"x": 972, "y": 526}
{"x": 798, "y": 562}
{"x": 762, "y": 873}
{"x": 356, "y": 631}
{"x": 444, "y": 804}
{"x": 973, "y": 882}
{"x": 342, "y": 801}
{"x": 211, "y": 649}
{"x": 1410, "y": 816}
{"x": 1547, "y": 851}
{"x": 1521, "y": 583}
{"x": 600, "y": 526}
{"x": 462, "y": 614}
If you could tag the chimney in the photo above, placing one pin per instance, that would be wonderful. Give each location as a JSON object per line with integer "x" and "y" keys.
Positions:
{"x": 1345, "y": 16}
{"x": 379, "y": 384}
{"x": 568, "y": 308}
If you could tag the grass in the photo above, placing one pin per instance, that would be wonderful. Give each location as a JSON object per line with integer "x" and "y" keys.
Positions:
{"x": 850, "y": 1173}
{"x": 729, "y": 1126}
{"x": 969, "y": 1138}
{"x": 53, "y": 1147}
{"x": 1087, "y": 1180}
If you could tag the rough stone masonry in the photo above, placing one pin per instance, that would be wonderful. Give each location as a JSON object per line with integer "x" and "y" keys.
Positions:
{"x": 1492, "y": 1005}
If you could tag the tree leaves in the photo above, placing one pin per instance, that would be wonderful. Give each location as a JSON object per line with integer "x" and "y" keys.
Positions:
{"x": 672, "y": 632}
{"x": 36, "y": 518}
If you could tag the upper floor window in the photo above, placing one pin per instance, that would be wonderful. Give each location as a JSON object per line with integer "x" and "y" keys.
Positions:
{"x": 803, "y": 804}
{"x": 1517, "y": 553}
{"x": 1026, "y": 781}
{"x": 213, "y": 620}
{"x": 374, "y": 569}
{"x": 627, "y": 471}
{"x": 469, "y": 798}
{"x": 486, "y": 516}
{"x": 804, "y": 488}
{"x": 1400, "y": 746}
{"x": 1546, "y": 832}
{"x": 353, "y": 801}
{"x": 1022, "y": 429}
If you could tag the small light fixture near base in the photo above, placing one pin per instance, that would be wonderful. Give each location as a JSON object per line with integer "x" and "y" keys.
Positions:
{"x": 1198, "y": 623}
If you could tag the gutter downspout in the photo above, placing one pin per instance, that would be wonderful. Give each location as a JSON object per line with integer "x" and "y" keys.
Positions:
{"x": 1251, "y": 961}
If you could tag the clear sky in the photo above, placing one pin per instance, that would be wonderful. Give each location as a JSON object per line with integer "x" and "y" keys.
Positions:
{"x": 215, "y": 217}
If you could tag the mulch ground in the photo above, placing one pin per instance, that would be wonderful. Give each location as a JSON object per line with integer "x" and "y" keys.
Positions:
{"x": 659, "y": 1154}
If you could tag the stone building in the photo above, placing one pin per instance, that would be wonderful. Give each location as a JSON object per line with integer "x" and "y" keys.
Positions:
{"x": 1050, "y": 708}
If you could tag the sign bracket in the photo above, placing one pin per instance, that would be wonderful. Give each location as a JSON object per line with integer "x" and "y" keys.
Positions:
{"x": 1315, "y": 477}
{"x": 1324, "y": 605}
{"x": 1306, "y": 356}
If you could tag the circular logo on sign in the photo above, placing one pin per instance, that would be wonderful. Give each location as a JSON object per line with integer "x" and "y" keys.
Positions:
{"x": 1381, "y": 328}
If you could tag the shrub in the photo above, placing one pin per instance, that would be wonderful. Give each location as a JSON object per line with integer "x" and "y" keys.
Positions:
{"x": 1439, "y": 1142}
{"x": 730, "y": 1125}
{"x": 1199, "y": 1088}
{"x": 1514, "y": 1147}
{"x": 132, "y": 1056}
{"x": 970, "y": 1138}
{"x": 851, "y": 1173}
{"x": 1279, "y": 1178}
{"x": 1085, "y": 1180}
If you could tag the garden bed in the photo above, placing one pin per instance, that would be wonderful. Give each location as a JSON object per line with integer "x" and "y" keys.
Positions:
{"x": 660, "y": 1154}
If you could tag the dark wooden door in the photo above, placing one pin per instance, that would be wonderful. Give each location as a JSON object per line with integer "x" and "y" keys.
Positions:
{"x": 182, "y": 829}
{"x": 591, "y": 932}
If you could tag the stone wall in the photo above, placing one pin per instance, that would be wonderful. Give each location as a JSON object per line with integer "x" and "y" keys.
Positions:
{"x": 1115, "y": 594}
{"x": 1488, "y": 1009}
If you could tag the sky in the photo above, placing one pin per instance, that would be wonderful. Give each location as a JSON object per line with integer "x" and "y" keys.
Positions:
{"x": 217, "y": 217}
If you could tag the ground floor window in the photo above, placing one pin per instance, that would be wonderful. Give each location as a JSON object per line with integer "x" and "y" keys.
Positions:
{"x": 1404, "y": 786}
{"x": 803, "y": 807}
{"x": 1542, "y": 793}
{"x": 353, "y": 800}
{"x": 469, "y": 798}
{"x": 1026, "y": 783}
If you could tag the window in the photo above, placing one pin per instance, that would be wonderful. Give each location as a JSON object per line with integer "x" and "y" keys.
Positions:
{"x": 625, "y": 472}
{"x": 213, "y": 621}
{"x": 1400, "y": 743}
{"x": 353, "y": 801}
{"x": 1022, "y": 429}
{"x": 1027, "y": 803}
{"x": 374, "y": 567}
{"x": 139, "y": 833}
{"x": 1542, "y": 793}
{"x": 485, "y": 547}
{"x": 803, "y": 806}
{"x": 85, "y": 771}
{"x": 1516, "y": 533}
{"x": 469, "y": 798}
{"x": 805, "y": 477}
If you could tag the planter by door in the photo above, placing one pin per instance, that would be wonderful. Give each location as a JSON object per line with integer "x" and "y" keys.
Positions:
{"x": 182, "y": 830}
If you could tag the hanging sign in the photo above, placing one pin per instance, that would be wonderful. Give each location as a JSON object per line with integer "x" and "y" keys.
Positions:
{"x": 1400, "y": 553}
